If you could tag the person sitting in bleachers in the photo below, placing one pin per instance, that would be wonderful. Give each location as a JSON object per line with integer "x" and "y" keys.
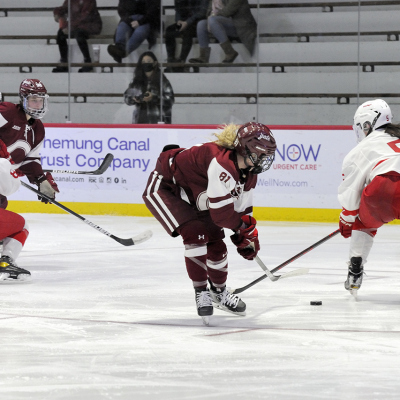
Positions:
{"x": 187, "y": 14}
{"x": 140, "y": 20}
{"x": 144, "y": 92}
{"x": 226, "y": 19}
{"x": 85, "y": 20}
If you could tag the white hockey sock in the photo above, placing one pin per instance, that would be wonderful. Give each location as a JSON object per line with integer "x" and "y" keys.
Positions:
{"x": 360, "y": 245}
{"x": 11, "y": 248}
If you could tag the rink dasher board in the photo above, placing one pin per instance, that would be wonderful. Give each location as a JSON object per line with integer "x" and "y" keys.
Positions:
{"x": 304, "y": 176}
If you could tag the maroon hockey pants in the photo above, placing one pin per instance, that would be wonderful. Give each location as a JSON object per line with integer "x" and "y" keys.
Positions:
{"x": 380, "y": 203}
{"x": 205, "y": 250}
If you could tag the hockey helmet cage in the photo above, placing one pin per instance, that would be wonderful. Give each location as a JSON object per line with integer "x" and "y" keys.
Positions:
{"x": 256, "y": 142}
{"x": 371, "y": 115}
{"x": 33, "y": 88}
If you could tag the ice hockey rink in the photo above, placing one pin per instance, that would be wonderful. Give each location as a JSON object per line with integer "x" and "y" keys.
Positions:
{"x": 103, "y": 321}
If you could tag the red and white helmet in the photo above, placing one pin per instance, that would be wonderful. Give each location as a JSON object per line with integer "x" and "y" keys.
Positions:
{"x": 256, "y": 142}
{"x": 34, "y": 88}
{"x": 371, "y": 115}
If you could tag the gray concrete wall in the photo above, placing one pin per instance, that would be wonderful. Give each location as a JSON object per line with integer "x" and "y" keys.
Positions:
{"x": 304, "y": 80}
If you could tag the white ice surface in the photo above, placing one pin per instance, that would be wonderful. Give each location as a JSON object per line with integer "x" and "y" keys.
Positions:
{"x": 103, "y": 321}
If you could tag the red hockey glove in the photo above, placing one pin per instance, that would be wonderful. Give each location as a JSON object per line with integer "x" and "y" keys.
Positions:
{"x": 246, "y": 238}
{"x": 346, "y": 222}
{"x": 4, "y": 152}
{"x": 47, "y": 186}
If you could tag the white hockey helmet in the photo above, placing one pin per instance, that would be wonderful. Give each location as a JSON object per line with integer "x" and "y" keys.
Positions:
{"x": 371, "y": 115}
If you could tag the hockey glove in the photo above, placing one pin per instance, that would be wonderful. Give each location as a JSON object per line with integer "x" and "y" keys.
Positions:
{"x": 246, "y": 238}
{"x": 4, "y": 152}
{"x": 346, "y": 222}
{"x": 251, "y": 251}
{"x": 47, "y": 186}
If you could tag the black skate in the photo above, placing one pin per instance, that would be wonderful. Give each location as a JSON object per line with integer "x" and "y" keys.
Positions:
{"x": 10, "y": 270}
{"x": 355, "y": 275}
{"x": 223, "y": 299}
{"x": 204, "y": 304}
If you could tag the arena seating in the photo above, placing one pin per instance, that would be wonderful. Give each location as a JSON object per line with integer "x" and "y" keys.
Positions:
{"x": 311, "y": 65}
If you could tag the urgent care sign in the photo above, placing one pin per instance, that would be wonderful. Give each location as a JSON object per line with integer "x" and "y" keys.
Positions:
{"x": 306, "y": 172}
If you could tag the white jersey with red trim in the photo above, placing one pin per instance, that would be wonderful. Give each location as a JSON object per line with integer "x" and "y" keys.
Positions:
{"x": 377, "y": 154}
{"x": 9, "y": 180}
{"x": 210, "y": 179}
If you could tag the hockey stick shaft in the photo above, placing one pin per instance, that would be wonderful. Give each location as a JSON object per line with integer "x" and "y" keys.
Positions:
{"x": 330, "y": 236}
{"x": 126, "y": 242}
{"x": 99, "y": 171}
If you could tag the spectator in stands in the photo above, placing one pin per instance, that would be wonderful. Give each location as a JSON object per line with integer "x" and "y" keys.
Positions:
{"x": 145, "y": 95}
{"x": 85, "y": 20}
{"x": 226, "y": 19}
{"x": 187, "y": 15}
{"x": 140, "y": 20}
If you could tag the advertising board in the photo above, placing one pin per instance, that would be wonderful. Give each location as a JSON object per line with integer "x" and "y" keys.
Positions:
{"x": 305, "y": 174}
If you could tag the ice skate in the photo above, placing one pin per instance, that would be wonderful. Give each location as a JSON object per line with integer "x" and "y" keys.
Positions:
{"x": 10, "y": 270}
{"x": 204, "y": 304}
{"x": 224, "y": 300}
{"x": 355, "y": 276}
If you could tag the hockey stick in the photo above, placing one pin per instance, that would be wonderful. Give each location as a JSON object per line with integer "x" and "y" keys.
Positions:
{"x": 330, "y": 236}
{"x": 274, "y": 278}
{"x": 126, "y": 242}
{"x": 99, "y": 171}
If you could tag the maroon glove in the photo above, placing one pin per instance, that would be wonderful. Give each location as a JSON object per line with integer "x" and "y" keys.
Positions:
{"x": 246, "y": 238}
{"x": 250, "y": 252}
{"x": 47, "y": 186}
{"x": 4, "y": 152}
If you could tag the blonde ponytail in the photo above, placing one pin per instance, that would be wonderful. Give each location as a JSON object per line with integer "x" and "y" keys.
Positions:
{"x": 226, "y": 137}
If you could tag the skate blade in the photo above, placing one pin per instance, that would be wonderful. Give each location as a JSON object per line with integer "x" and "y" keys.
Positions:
{"x": 4, "y": 276}
{"x": 219, "y": 307}
{"x": 206, "y": 320}
{"x": 354, "y": 293}
{"x": 19, "y": 278}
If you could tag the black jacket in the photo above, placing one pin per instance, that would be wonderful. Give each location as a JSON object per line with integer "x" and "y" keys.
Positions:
{"x": 151, "y": 10}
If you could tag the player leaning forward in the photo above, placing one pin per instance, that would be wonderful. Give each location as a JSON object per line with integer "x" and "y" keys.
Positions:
{"x": 22, "y": 135}
{"x": 370, "y": 191}
{"x": 196, "y": 192}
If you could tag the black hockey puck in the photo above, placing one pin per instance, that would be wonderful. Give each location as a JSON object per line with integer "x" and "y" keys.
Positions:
{"x": 316, "y": 303}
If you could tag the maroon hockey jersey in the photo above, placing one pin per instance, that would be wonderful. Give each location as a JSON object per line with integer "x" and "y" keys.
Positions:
{"x": 210, "y": 179}
{"x": 23, "y": 139}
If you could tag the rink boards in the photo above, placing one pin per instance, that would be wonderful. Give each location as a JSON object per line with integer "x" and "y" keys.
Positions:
{"x": 301, "y": 185}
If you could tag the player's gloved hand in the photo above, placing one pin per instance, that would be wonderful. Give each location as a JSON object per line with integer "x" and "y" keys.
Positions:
{"x": 19, "y": 172}
{"x": 246, "y": 238}
{"x": 251, "y": 251}
{"x": 4, "y": 152}
{"x": 346, "y": 222}
{"x": 47, "y": 186}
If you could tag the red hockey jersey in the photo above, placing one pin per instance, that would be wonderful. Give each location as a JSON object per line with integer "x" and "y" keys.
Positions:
{"x": 210, "y": 179}
{"x": 23, "y": 140}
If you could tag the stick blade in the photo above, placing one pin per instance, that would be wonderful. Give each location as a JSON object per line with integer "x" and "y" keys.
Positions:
{"x": 296, "y": 272}
{"x": 142, "y": 237}
{"x": 105, "y": 164}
